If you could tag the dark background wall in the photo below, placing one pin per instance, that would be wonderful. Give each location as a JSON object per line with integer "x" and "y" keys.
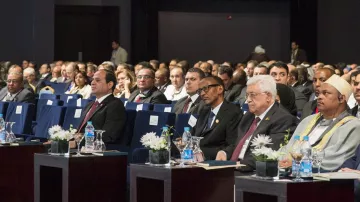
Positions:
{"x": 338, "y": 31}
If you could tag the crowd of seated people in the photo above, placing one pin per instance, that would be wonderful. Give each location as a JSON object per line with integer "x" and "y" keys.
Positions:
{"x": 324, "y": 97}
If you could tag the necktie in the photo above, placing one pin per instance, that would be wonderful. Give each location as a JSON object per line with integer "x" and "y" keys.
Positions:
{"x": 211, "y": 117}
{"x": 8, "y": 97}
{"x": 238, "y": 148}
{"x": 186, "y": 106}
{"x": 89, "y": 114}
{"x": 138, "y": 97}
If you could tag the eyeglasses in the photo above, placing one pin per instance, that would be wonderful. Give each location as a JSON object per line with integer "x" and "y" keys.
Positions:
{"x": 146, "y": 77}
{"x": 252, "y": 95}
{"x": 206, "y": 88}
{"x": 12, "y": 81}
{"x": 281, "y": 74}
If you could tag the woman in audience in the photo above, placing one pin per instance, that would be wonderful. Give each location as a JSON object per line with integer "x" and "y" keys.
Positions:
{"x": 126, "y": 83}
{"x": 82, "y": 86}
{"x": 286, "y": 97}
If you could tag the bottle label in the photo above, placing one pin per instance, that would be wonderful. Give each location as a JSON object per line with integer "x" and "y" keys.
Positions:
{"x": 90, "y": 133}
{"x": 188, "y": 154}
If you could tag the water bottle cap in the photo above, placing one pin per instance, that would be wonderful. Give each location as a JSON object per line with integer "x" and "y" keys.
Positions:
{"x": 89, "y": 122}
{"x": 306, "y": 138}
{"x": 165, "y": 128}
{"x": 1, "y": 115}
{"x": 187, "y": 129}
{"x": 297, "y": 137}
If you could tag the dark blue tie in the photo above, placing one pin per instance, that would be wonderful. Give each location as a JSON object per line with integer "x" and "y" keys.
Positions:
{"x": 211, "y": 117}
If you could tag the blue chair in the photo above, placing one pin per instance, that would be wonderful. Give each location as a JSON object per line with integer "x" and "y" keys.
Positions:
{"x": 59, "y": 88}
{"x": 49, "y": 96}
{"x": 245, "y": 108}
{"x": 163, "y": 107}
{"x": 72, "y": 117}
{"x": 92, "y": 98}
{"x": 123, "y": 99}
{"x": 182, "y": 120}
{"x": 50, "y": 116}
{"x": 3, "y": 108}
{"x": 46, "y": 102}
{"x": 22, "y": 114}
{"x": 74, "y": 103}
{"x": 67, "y": 97}
{"x": 134, "y": 106}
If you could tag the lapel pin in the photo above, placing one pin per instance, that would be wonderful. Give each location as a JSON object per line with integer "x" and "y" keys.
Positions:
{"x": 217, "y": 121}
{"x": 267, "y": 118}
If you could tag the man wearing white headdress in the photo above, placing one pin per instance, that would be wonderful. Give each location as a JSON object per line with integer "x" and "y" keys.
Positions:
{"x": 333, "y": 130}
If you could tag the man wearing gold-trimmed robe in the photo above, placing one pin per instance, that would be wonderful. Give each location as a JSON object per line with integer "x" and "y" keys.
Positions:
{"x": 333, "y": 130}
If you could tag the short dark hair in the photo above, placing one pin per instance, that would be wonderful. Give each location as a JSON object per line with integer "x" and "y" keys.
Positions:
{"x": 116, "y": 41}
{"x": 279, "y": 65}
{"x": 87, "y": 80}
{"x": 224, "y": 69}
{"x": 355, "y": 73}
{"x": 150, "y": 69}
{"x": 295, "y": 74}
{"x": 47, "y": 65}
{"x": 146, "y": 64}
{"x": 110, "y": 76}
{"x": 199, "y": 71}
{"x": 217, "y": 80}
{"x": 262, "y": 66}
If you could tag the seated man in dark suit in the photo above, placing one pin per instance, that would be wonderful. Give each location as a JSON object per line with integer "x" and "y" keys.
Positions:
{"x": 162, "y": 80}
{"x": 232, "y": 90}
{"x": 106, "y": 112}
{"x": 321, "y": 75}
{"x": 218, "y": 121}
{"x": 146, "y": 91}
{"x": 264, "y": 117}
{"x": 356, "y": 92}
{"x": 353, "y": 165}
{"x": 45, "y": 75}
{"x": 192, "y": 103}
{"x": 15, "y": 91}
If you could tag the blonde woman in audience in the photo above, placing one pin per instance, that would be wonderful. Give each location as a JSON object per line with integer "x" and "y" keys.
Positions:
{"x": 126, "y": 82}
{"x": 82, "y": 86}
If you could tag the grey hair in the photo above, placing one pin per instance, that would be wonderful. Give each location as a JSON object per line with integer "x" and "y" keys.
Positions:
{"x": 266, "y": 83}
{"x": 30, "y": 71}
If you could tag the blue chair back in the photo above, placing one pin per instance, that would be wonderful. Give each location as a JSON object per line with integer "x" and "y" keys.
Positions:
{"x": 72, "y": 117}
{"x": 67, "y": 97}
{"x": 182, "y": 121}
{"x": 245, "y": 108}
{"x": 50, "y": 116}
{"x": 138, "y": 106}
{"x": 49, "y": 96}
{"x": 123, "y": 99}
{"x": 74, "y": 103}
{"x": 129, "y": 127}
{"x": 46, "y": 102}
{"x": 163, "y": 107}
{"x": 59, "y": 88}
{"x": 22, "y": 114}
{"x": 3, "y": 108}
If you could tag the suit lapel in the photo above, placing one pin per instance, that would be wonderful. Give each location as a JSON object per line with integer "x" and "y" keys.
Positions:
{"x": 217, "y": 119}
{"x": 133, "y": 95}
{"x": 193, "y": 105}
{"x": 102, "y": 105}
{"x": 266, "y": 120}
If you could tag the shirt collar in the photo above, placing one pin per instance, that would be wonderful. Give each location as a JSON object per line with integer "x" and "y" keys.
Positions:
{"x": 265, "y": 112}
{"x": 102, "y": 98}
{"x": 216, "y": 109}
{"x": 194, "y": 97}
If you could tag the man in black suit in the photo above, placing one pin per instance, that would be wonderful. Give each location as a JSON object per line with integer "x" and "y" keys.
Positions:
{"x": 15, "y": 91}
{"x": 297, "y": 55}
{"x": 280, "y": 72}
{"x": 162, "y": 81}
{"x": 356, "y": 91}
{"x": 106, "y": 112}
{"x": 45, "y": 75}
{"x": 321, "y": 75}
{"x": 192, "y": 103}
{"x": 264, "y": 117}
{"x": 146, "y": 91}
{"x": 232, "y": 90}
{"x": 218, "y": 121}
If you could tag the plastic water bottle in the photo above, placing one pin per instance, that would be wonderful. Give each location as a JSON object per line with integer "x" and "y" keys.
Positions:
{"x": 168, "y": 141}
{"x": 188, "y": 153}
{"x": 89, "y": 136}
{"x": 296, "y": 143}
{"x": 306, "y": 163}
{"x": 2, "y": 129}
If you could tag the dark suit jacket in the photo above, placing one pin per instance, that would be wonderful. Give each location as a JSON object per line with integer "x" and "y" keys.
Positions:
{"x": 303, "y": 89}
{"x": 242, "y": 97}
{"x": 354, "y": 111}
{"x": 154, "y": 96}
{"x": 309, "y": 109}
{"x": 25, "y": 95}
{"x": 300, "y": 100}
{"x": 222, "y": 133}
{"x": 312, "y": 97}
{"x": 163, "y": 88}
{"x": 41, "y": 83}
{"x": 232, "y": 94}
{"x": 353, "y": 163}
{"x": 300, "y": 56}
{"x": 195, "y": 108}
{"x": 275, "y": 123}
{"x": 109, "y": 116}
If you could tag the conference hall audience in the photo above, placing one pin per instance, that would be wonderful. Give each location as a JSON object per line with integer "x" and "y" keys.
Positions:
{"x": 82, "y": 86}
{"x": 125, "y": 83}
{"x": 232, "y": 90}
{"x": 162, "y": 80}
{"x": 176, "y": 90}
{"x": 15, "y": 91}
{"x": 30, "y": 79}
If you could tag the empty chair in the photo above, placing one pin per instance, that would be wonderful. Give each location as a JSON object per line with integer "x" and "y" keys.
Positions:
{"x": 72, "y": 117}
{"x": 163, "y": 107}
{"x": 50, "y": 116}
{"x": 22, "y": 114}
{"x": 77, "y": 102}
{"x": 59, "y": 88}
{"x": 49, "y": 96}
{"x": 139, "y": 106}
{"x": 182, "y": 120}
{"x": 46, "y": 102}
{"x": 67, "y": 97}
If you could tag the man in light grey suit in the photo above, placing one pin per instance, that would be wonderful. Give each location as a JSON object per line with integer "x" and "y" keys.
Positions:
{"x": 192, "y": 103}
{"x": 15, "y": 91}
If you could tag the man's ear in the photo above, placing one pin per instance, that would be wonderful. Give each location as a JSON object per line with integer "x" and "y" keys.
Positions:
{"x": 111, "y": 84}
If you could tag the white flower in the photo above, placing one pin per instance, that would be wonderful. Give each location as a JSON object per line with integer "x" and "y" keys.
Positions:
{"x": 273, "y": 155}
{"x": 261, "y": 141}
{"x": 148, "y": 139}
{"x": 57, "y": 133}
{"x": 151, "y": 141}
{"x": 54, "y": 129}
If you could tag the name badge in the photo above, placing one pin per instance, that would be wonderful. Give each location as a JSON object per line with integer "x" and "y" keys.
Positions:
{"x": 245, "y": 147}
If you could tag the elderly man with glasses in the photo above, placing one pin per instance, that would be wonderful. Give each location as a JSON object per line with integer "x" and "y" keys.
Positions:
{"x": 146, "y": 91}
{"x": 218, "y": 120}
{"x": 15, "y": 91}
{"x": 265, "y": 117}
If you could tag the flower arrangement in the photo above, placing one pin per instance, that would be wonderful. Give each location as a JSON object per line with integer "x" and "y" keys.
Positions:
{"x": 286, "y": 138}
{"x": 261, "y": 152}
{"x": 58, "y": 134}
{"x": 153, "y": 142}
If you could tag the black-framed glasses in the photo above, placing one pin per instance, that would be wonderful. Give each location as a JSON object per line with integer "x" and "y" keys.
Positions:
{"x": 206, "y": 88}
